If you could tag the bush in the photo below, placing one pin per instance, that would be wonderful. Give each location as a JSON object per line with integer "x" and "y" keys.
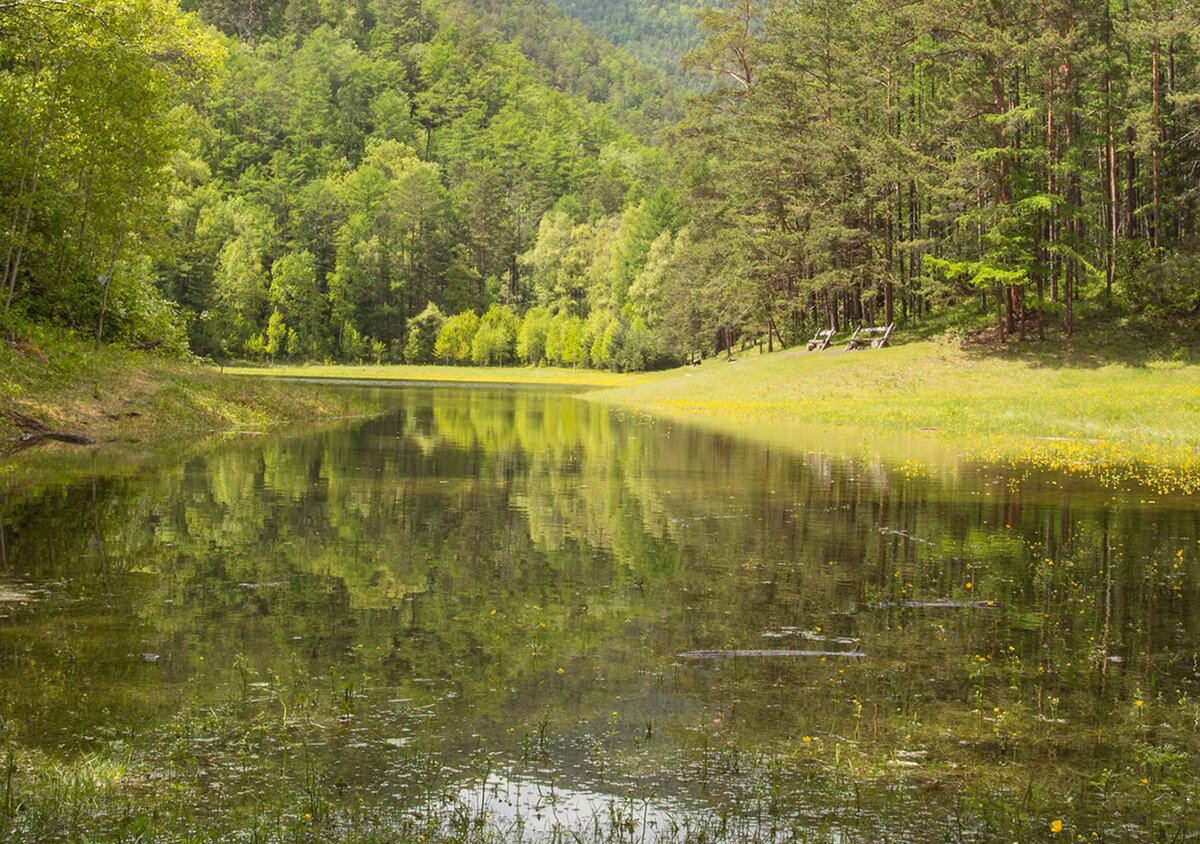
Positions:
{"x": 1168, "y": 289}
{"x": 595, "y": 340}
{"x": 456, "y": 338}
{"x": 532, "y": 336}
{"x": 635, "y": 349}
{"x": 256, "y": 347}
{"x": 423, "y": 332}
{"x": 564, "y": 340}
{"x": 138, "y": 312}
{"x": 609, "y": 343}
{"x": 355, "y": 347}
{"x": 277, "y": 335}
{"x": 495, "y": 342}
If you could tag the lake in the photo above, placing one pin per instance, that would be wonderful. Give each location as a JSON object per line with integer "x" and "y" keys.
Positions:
{"x": 496, "y": 614}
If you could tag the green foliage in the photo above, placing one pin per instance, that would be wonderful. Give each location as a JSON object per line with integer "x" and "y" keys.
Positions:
{"x": 357, "y": 168}
{"x": 277, "y": 335}
{"x": 495, "y": 342}
{"x": 307, "y": 184}
{"x": 296, "y": 294}
{"x": 656, "y": 33}
{"x": 532, "y": 336}
{"x": 456, "y": 338}
{"x": 423, "y": 332}
{"x": 596, "y": 338}
{"x": 94, "y": 100}
{"x": 1170, "y": 289}
{"x": 354, "y": 347}
{"x": 564, "y": 341}
{"x": 636, "y": 348}
{"x": 395, "y": 209}
{"x": 865, "y": 163}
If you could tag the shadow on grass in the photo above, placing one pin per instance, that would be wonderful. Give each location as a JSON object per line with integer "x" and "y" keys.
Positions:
{"x": 1102, "y": 338}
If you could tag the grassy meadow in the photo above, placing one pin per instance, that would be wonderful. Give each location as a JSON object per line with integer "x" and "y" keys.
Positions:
{"x": 1082, "y": 410}
{"x": 941, "y": 386}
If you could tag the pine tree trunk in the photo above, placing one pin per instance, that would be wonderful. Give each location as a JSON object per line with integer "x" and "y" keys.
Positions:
{"x": 1156, "y": 119}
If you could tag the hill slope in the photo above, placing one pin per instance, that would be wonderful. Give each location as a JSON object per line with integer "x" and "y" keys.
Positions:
{"x": 658, "y": 34}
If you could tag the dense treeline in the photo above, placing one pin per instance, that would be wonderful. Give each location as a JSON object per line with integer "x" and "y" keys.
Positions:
{"x": 873, "y": 160}
{"x": 357, "y": 163}
{"x": 94, "y": 102}
{"x": 347, "y": 181}
{"x": 482, "y": 181}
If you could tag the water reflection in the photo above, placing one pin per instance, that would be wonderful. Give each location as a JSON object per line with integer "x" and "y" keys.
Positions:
{"x": 489, "y": 592}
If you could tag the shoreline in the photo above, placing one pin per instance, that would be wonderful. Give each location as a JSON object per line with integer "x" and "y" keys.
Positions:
{"x": 925, "y": 400}
{"x": 121, "y": 397}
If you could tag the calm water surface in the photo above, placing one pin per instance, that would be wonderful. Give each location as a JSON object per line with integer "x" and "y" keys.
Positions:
{"x": 525, "y": 607}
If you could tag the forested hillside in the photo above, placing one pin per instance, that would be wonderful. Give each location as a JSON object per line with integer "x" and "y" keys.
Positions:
{"x": 488, "y": 182}
{"x": 659, "y": 34}
{"x": 307, "y": 181}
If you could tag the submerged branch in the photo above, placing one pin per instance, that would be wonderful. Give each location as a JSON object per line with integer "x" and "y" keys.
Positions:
{"x": 34, "y": 432}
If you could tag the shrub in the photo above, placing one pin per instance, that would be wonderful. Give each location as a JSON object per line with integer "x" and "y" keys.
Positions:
{"x": 277, "y": 335}
{"x": 355, "y": 347}
{"x": 455, "y": 340}
{"x": 1168, "y": 289}
{"x": 637, "y": 349}
{"x": 593, "y": 340}
{"x": 532, "y": 336}
{"x": 564, "y": 340}
{"x": 495, "y": 342}
{"x": 423, "y": 331}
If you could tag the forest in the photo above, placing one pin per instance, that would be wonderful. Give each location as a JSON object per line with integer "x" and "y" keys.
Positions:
{"x": 474, "y": 181}
{"x": 659, "y": 34}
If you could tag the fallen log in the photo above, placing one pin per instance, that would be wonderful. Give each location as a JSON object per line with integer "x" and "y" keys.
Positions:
{"x": 34, "y": 432}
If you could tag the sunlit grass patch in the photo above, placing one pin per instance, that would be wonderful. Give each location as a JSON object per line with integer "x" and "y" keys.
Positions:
{"x": 1117, "y": 422}
{"x": 117, "y": 394}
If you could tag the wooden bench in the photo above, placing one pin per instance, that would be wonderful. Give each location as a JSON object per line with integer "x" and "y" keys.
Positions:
{"x": 821, "y": 342}
{"x": 875, "y": 337}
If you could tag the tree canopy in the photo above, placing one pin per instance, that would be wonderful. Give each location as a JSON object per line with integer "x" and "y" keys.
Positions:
{"x": 347, "y": 180}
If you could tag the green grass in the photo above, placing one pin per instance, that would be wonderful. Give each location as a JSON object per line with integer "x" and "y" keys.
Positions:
{"x": 940, "y": 385}
{"x": 116, "y": 394}
{"x": 1071, "y": 408}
